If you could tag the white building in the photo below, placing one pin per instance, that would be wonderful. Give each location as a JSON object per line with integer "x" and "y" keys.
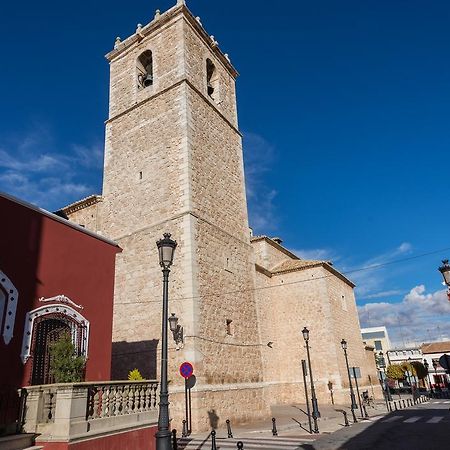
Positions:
{"x": 377, "y": 337}
{"x": 431, "y": 353}
{"x": 399, "y": 355}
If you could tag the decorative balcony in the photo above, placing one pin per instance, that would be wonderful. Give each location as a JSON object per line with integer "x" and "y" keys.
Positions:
{"x": 77, "y": 411}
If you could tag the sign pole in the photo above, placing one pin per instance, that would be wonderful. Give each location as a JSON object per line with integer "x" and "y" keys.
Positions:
{"x": 308, "y": 411}
{"x": 190, "y": 411}
{"x": 187, "y": 371}
{"x": 186, "y": 404}
{"x": 357, "y": 391}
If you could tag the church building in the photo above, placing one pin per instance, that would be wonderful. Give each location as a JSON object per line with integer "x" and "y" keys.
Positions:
{"x": 174, "y": 163}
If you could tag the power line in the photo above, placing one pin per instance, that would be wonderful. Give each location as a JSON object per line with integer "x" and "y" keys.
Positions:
{"x": 238, "y": 291}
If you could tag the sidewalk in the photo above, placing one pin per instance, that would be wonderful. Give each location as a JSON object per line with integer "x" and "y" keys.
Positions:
{"x": 291, "y": 423}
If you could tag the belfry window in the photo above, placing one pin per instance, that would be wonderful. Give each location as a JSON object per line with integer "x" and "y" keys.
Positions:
{"x": 212, "y": 80}
{"x": 145, "y": 69}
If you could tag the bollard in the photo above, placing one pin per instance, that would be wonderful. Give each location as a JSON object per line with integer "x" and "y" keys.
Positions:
{"x": 395, "y": 405}
{"x": 365, "y": 412}
{"x": 230, "y": 434}
{"x": 346, "y": 424}
{"x": 240, "y": 445}
{"x": 274, "y": 427}
{"x": 174, "y": 440}
{"x": 184, "y": 433}
{"x": 213, "y": 440}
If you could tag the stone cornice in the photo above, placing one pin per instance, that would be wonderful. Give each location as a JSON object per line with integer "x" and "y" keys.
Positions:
{"x": 81, "y": 204}
{"x": 173, "y": 86}
{"x": 261, "y": 269}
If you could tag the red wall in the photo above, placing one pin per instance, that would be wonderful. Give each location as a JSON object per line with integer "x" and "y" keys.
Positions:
{"x": 142, "y": 439}
{"x": 44, "y": 258}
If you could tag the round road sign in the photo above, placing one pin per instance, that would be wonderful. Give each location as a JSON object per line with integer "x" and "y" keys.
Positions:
{"x": 186, "y": 370}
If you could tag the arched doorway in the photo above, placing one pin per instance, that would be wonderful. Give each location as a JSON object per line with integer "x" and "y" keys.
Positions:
{"x": 47, "y": 331}
{"x": 45, "y": 326}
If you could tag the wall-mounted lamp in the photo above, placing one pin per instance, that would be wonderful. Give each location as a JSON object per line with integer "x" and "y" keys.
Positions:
{"x": 177, "y": 331}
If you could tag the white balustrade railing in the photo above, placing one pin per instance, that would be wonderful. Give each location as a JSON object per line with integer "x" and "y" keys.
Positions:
{"x": 59, "y": 411}
{"x": 120, "y": 398}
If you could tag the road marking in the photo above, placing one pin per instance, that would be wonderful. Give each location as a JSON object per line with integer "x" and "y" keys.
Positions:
{"x": 412, "y": 419}
{"x": 447, "y": 402}
{"x": 392, "y": 419}
{"x": 437, "y": 402}
{"x": 435, "y": 419}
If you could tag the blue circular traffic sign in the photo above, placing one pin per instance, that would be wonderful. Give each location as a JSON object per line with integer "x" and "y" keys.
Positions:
{"x": 186, "y": 370}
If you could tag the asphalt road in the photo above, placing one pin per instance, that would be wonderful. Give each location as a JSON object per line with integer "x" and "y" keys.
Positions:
{"x": 422, "y": 427}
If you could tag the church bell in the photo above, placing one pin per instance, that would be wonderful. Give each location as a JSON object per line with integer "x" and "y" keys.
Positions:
{"x": 147, "y": 79}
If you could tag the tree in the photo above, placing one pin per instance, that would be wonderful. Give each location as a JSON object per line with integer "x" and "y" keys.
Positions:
{"x": 408, "y": 367}
{"x": 395, "y": 372}
{"x": 420, "y": 370}
{"x": 65, "y": 365}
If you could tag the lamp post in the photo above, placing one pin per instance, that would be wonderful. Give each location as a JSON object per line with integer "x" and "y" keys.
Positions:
{"x": 426, "y": 365}
{"x": 445, "y": 270}
{"x": 409, "y": 373}
{"x": 435, "y": 371}
{"x": 315, "y": 407}
{"x": 352, "y": 395}
{"x": 166, "y": 249}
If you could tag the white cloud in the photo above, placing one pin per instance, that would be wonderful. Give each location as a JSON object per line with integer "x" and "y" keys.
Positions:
{"x": 384, "y": 294}
{"x": 419, "y": 317}
{"x": 89, "y": 156}
{"x": 371, "y": 275}
{"x": 258, "y": 158}
{"x": 322, "y": 254}
{"x": 31, "y": 169}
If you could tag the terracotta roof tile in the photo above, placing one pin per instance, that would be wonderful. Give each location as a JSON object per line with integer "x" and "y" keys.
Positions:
{"x": 295, "y": 264}
{"x": 436, "y": 347}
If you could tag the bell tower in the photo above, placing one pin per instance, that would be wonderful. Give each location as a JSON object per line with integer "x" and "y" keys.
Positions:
{"x": 173, "y": 163}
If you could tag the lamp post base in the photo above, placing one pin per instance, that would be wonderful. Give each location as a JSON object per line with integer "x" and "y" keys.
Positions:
{"x": 163, "y": 440}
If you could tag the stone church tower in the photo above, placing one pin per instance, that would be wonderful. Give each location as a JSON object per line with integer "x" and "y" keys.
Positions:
{"x": 173, "y": 163}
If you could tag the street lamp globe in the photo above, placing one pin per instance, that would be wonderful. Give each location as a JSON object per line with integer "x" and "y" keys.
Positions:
{"x": 344, "y": 344}
{"x": 445, "y": 270}
{"x": 305, "y": 333}
{"x": 166, "y": 249}
{"x": 173, "y": 322}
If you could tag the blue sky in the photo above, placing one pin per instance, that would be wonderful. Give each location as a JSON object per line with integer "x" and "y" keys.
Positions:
{"x": 344, "y": 108}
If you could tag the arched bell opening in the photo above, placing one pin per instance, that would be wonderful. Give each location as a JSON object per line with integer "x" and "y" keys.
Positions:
{"x": 144, "y": 69}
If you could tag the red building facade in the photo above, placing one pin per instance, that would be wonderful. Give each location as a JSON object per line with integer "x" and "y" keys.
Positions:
{"x": 54, "y": 277}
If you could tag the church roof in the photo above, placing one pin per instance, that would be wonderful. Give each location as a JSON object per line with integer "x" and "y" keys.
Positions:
{"x": 436, "y": 347}
{"x": 295, "y": 264}
{"x": 58, "y": 218}
{"x": 81, "y": 204}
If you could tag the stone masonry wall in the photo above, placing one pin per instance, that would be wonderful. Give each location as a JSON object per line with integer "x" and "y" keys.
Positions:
{"x": 89, "y": 217}
{"x": 268, "y": 254}
{"x": 174, "y": 163}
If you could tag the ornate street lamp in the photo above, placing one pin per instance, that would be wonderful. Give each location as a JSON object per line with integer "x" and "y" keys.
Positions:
{"x": 445, "y": 270}
{"x": 352, "y": 395}
{"x": 426, "y": 365}
{"x": 315, "y": 406}
{"x": 166, "y": 249}
{"x": 435, "y": 370}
